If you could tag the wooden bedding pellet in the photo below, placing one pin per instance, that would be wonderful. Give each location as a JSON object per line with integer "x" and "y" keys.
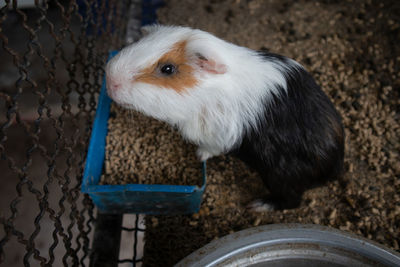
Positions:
{"x": 142, "y": 150}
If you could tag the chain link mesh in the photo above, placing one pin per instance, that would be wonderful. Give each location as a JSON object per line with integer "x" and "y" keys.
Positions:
{"x": 52, "y": 57}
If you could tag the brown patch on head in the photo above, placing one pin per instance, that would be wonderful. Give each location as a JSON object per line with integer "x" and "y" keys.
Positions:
{"x": 180, "y": 80}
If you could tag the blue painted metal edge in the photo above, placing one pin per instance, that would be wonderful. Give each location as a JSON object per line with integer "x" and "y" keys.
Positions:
{"x": 149, "y": 8}
{"x": 96, "y": 154}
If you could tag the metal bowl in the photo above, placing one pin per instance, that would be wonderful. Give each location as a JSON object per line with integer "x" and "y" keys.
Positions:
{"x": 292, "y": 245}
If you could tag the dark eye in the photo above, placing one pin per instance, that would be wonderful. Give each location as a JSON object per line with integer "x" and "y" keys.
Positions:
{"x": 168, "y": 69}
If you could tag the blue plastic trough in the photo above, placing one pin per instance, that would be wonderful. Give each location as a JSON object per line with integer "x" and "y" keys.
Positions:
{"x": 131, "y": 198}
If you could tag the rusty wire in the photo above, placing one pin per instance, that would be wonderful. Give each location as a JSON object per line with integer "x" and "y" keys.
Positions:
{"x": 101, "y": 28}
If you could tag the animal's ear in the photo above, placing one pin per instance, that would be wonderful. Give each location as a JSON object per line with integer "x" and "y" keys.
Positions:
{"x": 209, "y": 64}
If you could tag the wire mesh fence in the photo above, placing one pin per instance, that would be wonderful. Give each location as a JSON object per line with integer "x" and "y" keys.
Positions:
{"x": 51, "y": 66}
{"x": 133, "y": 229}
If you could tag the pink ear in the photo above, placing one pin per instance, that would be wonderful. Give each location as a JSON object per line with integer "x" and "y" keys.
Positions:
{"x": 210, "y": 66}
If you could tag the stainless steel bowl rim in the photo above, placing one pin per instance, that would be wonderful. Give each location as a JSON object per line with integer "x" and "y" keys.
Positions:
{"x": 221, "y": 250}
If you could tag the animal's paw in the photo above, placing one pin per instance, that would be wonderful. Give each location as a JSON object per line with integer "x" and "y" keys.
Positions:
{"x": 203, "y": 154}
{"x": 260, "y": 205}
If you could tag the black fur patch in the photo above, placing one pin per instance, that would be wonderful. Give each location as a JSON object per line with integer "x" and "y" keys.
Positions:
{"x": 299, "y": 141}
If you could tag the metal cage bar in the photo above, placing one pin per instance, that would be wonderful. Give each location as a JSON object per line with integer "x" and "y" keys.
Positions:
{"x": 53, "y": 53}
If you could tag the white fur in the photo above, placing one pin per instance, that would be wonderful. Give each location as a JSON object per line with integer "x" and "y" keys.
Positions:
{"x": 259, "y": 205}
{"x": 217, "y": 111}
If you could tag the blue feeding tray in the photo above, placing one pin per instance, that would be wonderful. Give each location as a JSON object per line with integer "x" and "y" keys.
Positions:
{"x": 132, "y": 198}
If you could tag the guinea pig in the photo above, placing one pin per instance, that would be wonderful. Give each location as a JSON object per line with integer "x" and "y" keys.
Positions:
{"x": 264, "y": 108}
